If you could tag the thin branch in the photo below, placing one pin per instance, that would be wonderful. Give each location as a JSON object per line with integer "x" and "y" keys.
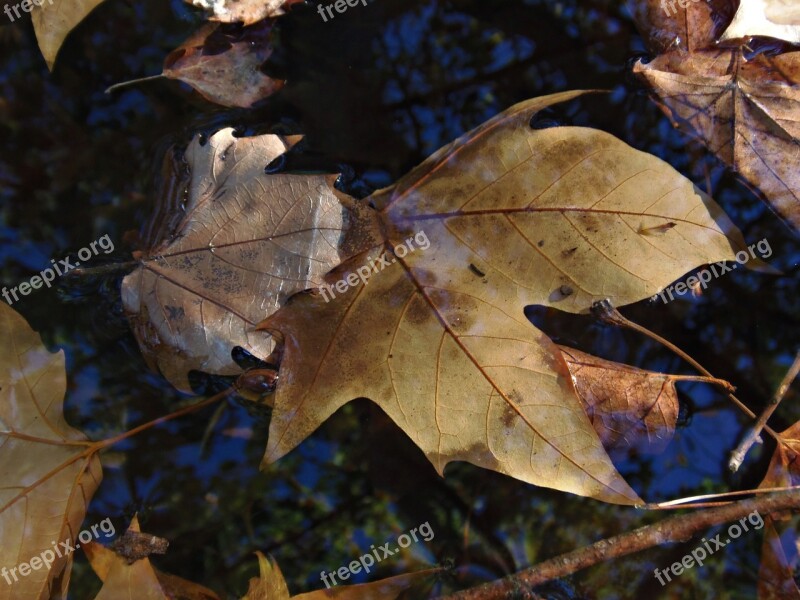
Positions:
{"x": 737, "y": 456}
{"x": 675, "y": 529}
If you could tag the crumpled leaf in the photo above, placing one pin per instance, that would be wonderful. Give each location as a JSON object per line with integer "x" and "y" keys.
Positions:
{"x": 561, "y": 217}
{"x": 628, "y": 407}
{"x": 243, "y": 11}
{"x": 53, "y": 22}
{"x": 666, "y": 25}
{"x": 225, "y": 69}
{"x": 123, "y": 578}
{"x": 743, "y": 111}
{"x": 270, "y": 585}
{"x": 238, "y": 243}
{"x": 772, "y": 18}
{"x": 47, "y": 482}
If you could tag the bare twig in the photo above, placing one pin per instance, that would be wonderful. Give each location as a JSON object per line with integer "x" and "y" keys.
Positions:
{"x": 606, "y": 312}
{"x": 675, "y": 529}
{"x": 737, "y": 456}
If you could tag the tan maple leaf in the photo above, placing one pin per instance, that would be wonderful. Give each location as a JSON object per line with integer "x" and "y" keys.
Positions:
{"x": 438, "y": 338}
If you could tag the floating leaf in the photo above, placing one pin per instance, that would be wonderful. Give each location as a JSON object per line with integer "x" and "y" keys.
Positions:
{"x": 438, "y": 339}
{"x": 47, "y": 477}
{"x": 224, "y": 69}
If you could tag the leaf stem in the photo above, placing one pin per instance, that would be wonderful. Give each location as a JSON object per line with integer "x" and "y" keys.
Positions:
{"x": 118, "y": 86}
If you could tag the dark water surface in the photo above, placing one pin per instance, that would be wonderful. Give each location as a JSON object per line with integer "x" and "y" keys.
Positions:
{"x": 377, "y": 89}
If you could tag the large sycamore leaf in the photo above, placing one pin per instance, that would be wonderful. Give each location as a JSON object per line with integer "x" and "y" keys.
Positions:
{"x": 270, "y": 585}
{"x": 772, "y": 18}
{"x": 54, "y": 19}
{"x": 744, "y": 112}
{"x": 239, "y": 243}
{"x": 46, "y": 483}
{"x": 225, "y": 69}
{"x": 438, "y": 338}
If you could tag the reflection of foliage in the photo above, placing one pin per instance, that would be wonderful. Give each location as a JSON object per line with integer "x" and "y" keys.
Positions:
{"x": 397, "y": 80}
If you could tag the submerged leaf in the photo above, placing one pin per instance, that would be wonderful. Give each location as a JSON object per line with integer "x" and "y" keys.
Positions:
{"x": 239, "y": 243}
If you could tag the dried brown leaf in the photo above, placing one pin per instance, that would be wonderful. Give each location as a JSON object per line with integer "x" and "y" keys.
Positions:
{"x": 628, "y": 407}
{"x": 743, "y": 111}
{"x": 229, "y": 77}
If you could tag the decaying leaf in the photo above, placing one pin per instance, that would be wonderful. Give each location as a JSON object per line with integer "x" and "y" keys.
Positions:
{"x": 123, "y": 578}
{"x": 270, "y": 585}
{"x": 238, "y": 244}
{"x": 243, "y": 11}
{"x": 54, "y": 19}
{"x": 47, "y": 480}
{"x": 225, "y": 69}
{"x": 628, "y": 407}
{"x": 772, "y": 18}
{"x": 438, "y": 338}
{"x": 667, "y": 25}
{"x": 744, "y": 112}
